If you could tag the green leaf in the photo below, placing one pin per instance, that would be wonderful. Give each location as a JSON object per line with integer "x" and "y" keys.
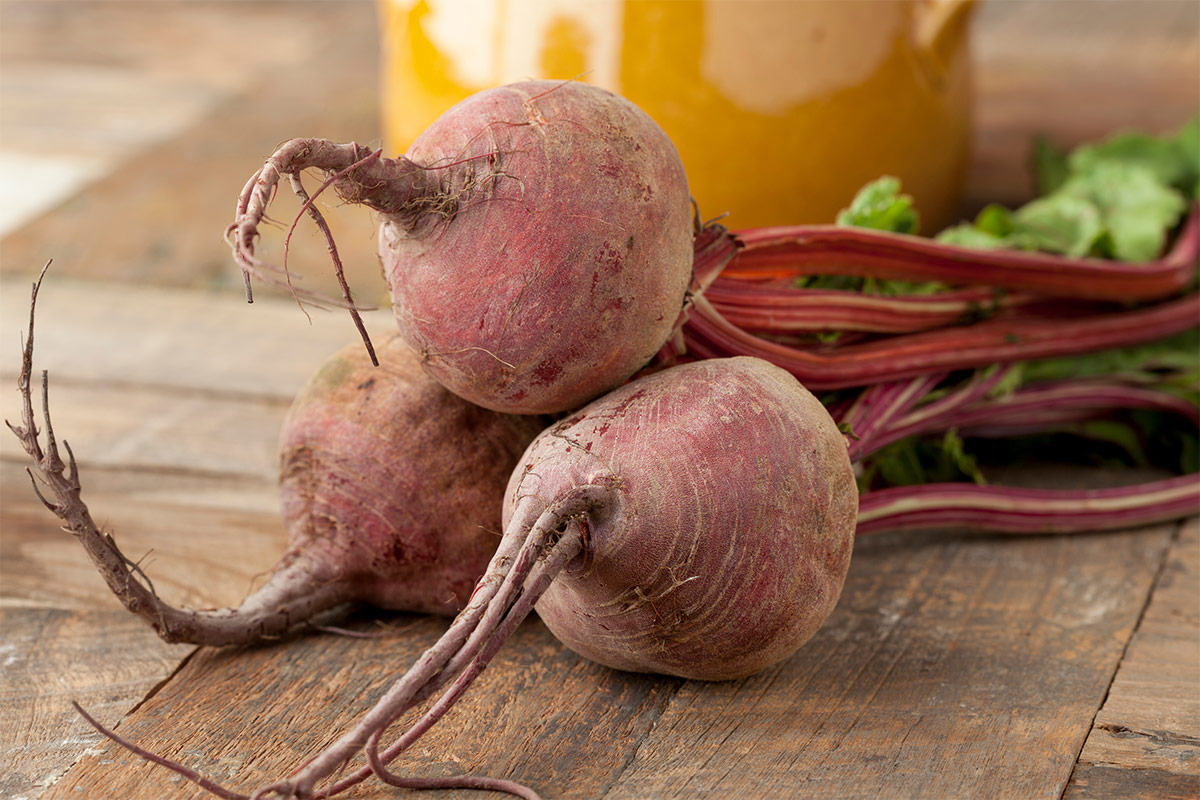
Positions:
{"x": 880, "y": 206}
{"x": 1050, "y": 165}
{"x": 965, "y": 234}
{"x": 1172, "y": 363}
{"x": 1013, "y": 379}
{"x": 1118, "y": 198}
{"x": 901, "y": 466}
{"x": 1173, "y": 160}
{"x": 1064, "y": 222}
{"x": 952, "y": 450}
{"x": 1189, "y": 144}
{"x": 1123, "y": 435}
{"x": 1137, "y": 209}
{"x": 995, "y": 219}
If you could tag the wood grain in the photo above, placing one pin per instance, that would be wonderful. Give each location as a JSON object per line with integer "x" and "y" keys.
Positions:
{"x": 1145, "y": 742}
{"x": 159, "y": 216}
{"x": 1074, "y": 72}
{"x": 209, "y": 344}
{"x": 953, "y": 667}
{"x": 198, "y": 547}
{"x": 50, "y": 657}
{"x": 538, "y": 714}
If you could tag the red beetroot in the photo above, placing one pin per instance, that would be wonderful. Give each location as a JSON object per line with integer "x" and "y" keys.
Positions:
{"x": 363, "y": 451}
{"x": 695, "y": 522}
{"x": 537, "y": 239}
{"x": 726, "y": 531}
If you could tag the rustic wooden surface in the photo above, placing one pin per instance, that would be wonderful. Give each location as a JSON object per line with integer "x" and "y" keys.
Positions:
{"x": 954, "y": 666}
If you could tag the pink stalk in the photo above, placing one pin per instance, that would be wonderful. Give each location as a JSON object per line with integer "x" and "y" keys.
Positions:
{"x": 712, "y": 250}
{"x": 536, "y": 584}
{"x": 878, "y": 406}
{"x": 797, "y": 310}
{"x": 1025, "y": 511}
{"x": 997, "y": 341}
{"x": 841, "y": 250}
{"x": 1036, "y": 407}
{"x": 1032, "y": 408}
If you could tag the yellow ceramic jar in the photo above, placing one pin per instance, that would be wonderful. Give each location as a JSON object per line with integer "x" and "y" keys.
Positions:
{"x": 781, "y": 109}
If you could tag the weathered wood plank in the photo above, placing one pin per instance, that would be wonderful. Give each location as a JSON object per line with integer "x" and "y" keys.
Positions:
{"x": 1074, "y": 72}
{"x": 953, "y": 667}
{"x": 148, "y": 428}
{"x": 159, "y": 217}
{"x": 202, "y": 342}
{"x": 203, "y": 542}
{"x": 104, "y": 659}
{"x": 1145, "y": 742}
{"x": 539, "y": 714}
{"x": 87, "y": 85}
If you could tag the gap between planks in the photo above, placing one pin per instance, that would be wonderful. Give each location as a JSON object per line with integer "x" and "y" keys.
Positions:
{"x": 1145, "y": 740}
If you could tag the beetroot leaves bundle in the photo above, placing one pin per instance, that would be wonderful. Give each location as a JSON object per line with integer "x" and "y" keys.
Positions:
{"x": 1104, "y": 258}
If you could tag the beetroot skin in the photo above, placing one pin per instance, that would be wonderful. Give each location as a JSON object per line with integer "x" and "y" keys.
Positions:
{"x": 730, "y": 526}
{"x": 390, "y": 485}
{"x": 537, "y": 239}
{"x": 563, "y": 266}
{"x": 695, "y": 522}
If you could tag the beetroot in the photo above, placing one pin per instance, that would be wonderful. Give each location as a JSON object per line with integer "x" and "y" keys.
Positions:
{"x": 697, "y": 522}
{"x": 363, "y": 451}
{"x": 725, "y": 529}
{"x": 537, "y": 239}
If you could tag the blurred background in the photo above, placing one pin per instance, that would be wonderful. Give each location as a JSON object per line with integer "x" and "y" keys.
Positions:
{"x": 128, "y": 127}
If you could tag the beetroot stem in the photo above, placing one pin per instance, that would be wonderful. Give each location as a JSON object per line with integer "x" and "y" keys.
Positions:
{"x": 338, "y": 270}
{"x": 1034, "y": 407}
{"x": 789, "y": 310}
{"x": 360, "y": 175}
{"x": 994, "y": 341}
{"x": 174, "y": 766}
{"x": 1013, "y": 510}
{"x": 568, "y": 546}
{"x": 844, "y": 250}
{"x": 878, "y": 405}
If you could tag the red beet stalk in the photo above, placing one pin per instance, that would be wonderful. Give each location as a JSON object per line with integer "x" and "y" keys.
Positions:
{"x": 799, "y": 250}
{"x": 996, "y": 341}
{"x": 887, "y": 413}
{"x": 1039, "y": 407}
{"x": 1010, "y": 510}
{"x": 768, "y": 309}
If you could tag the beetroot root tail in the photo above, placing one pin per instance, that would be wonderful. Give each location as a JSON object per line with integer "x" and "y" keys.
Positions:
{"x": 174, "y": 766}
{"x": 561, "y": 554}
{"x": 286, "y": 602}
{"x": 530, "y": 554}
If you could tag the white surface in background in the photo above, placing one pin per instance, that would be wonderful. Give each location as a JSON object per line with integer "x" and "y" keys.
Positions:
{"x": 31, "y": 184}
{"x": 85, "y": 86}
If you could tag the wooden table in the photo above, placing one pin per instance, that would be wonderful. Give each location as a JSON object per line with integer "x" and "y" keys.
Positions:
{"x": 954, "y": 666}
